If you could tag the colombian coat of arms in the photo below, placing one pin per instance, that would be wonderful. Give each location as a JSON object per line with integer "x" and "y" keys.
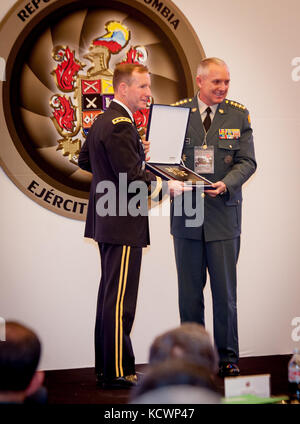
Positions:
{"x": 59, "y": 57}
{"x": 83, "y": 96}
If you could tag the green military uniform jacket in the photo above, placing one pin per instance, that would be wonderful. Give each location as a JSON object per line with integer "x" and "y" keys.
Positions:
{"x": 234, "y": 163}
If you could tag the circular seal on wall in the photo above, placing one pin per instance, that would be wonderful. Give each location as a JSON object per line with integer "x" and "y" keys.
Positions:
{"x": 57, "y": 59}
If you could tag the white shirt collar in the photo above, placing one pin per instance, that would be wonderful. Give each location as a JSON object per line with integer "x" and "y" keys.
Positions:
{"x": 125, "y": 107}
{"x": 202, "y": 108}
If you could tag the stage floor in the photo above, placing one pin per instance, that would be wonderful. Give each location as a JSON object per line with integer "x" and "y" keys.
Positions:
{"x": 77, "y": 386}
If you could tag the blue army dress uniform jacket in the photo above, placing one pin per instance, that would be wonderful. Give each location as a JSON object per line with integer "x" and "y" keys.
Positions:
{"x": 234, "y": 163}
{"x": 112, "y": 147}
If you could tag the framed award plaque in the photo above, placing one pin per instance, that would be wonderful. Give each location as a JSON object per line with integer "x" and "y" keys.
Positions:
{"x": 166, "y": 132}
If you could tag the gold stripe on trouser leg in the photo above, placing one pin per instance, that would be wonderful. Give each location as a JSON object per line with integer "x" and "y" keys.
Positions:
{"x": 117, "y": 313}
{"x": 121, "y": 311}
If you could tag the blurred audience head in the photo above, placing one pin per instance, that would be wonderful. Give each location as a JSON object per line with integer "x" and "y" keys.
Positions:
{"x": 19, "y": 357}
{"x": 189, "y": 342}
{"x": 176, "y": 381}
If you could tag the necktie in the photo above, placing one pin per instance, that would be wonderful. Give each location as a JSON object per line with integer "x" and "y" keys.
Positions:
{"x": 207, "y": 120}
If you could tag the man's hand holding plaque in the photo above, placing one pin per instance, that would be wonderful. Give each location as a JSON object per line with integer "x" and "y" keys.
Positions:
{"x": 146, "y": 145}
{"x": 175, "y": 188}
{"x": 218, "y": 188}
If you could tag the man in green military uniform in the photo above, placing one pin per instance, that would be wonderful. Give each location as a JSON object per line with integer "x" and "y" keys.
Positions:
{"x": 218, "y": 145}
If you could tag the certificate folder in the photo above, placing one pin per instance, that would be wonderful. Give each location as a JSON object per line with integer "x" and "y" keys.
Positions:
{"x": 166, "y": 132}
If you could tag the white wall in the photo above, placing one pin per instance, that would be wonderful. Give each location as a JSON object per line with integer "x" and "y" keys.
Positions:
{"x": 50, "y": 273}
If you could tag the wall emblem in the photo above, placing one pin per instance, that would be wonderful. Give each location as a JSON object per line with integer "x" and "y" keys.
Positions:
{"x": 57, "y": 59}
{"x": 92, "y": 91}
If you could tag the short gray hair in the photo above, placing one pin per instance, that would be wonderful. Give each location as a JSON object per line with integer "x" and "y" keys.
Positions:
{"x": 204, "y": 65}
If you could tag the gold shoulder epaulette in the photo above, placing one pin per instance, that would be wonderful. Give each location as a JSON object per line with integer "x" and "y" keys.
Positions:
{"x": 121, "y": 119}
{"x": 181, "y": 102}
{"x": 235, "y": 104}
